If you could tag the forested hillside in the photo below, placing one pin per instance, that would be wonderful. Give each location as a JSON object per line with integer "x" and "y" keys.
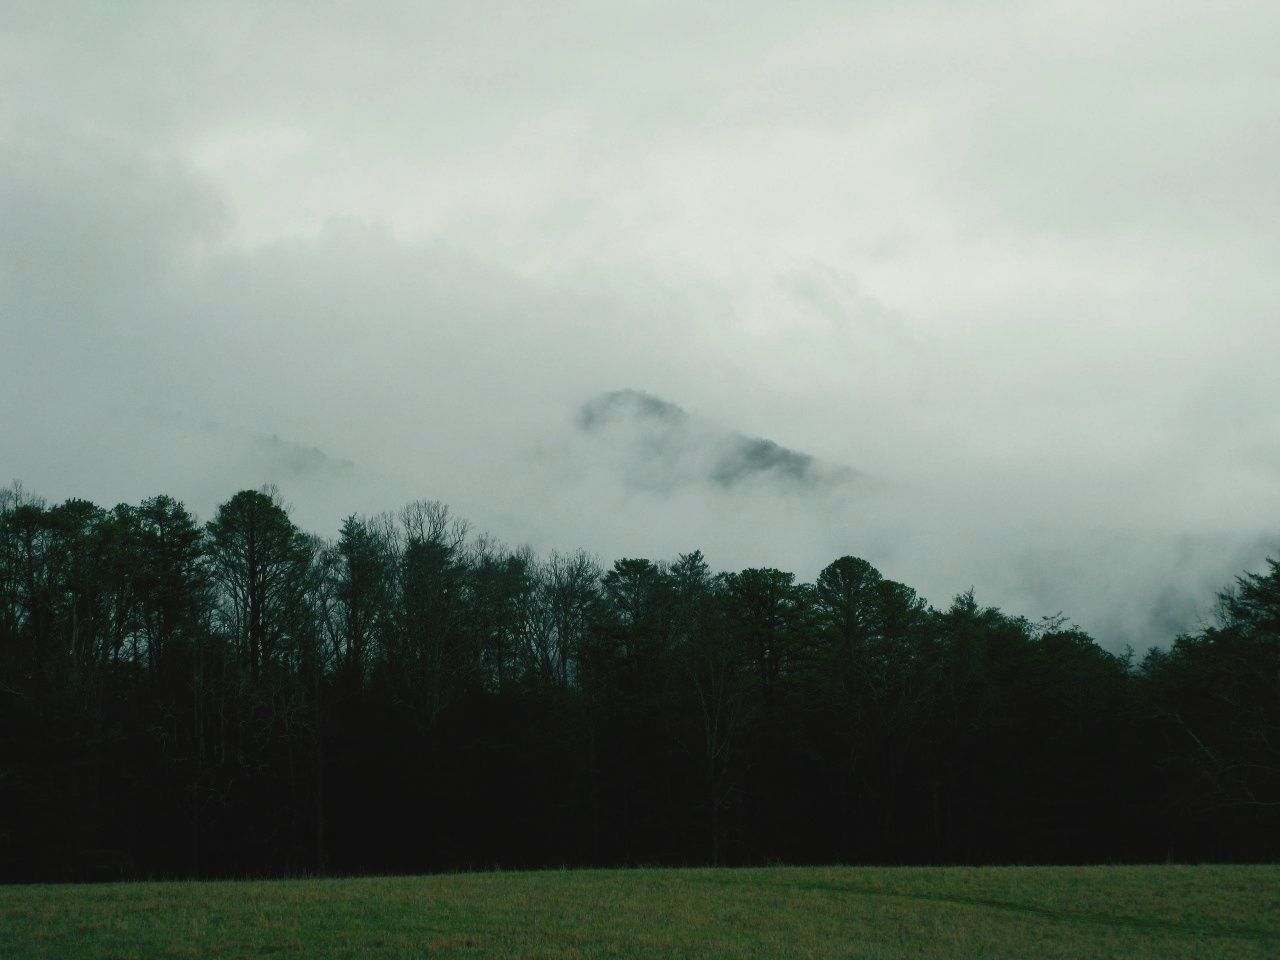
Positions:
{"x": 241, "y": 698}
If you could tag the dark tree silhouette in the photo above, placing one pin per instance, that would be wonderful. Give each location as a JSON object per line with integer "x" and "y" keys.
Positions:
{"x": 259, "y": 562}
{"x": 1216, "y": 695}
{"x": 243, "y": 698}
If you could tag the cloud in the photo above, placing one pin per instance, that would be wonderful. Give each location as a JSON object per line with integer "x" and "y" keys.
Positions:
{"x": 1011, "y": 263}
{"x": 297, "y": 460}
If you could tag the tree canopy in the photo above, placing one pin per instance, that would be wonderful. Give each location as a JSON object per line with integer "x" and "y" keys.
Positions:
{"x": 241, "y": 697}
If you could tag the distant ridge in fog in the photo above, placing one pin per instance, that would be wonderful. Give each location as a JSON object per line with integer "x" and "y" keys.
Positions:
{"x": 663, "y": 446}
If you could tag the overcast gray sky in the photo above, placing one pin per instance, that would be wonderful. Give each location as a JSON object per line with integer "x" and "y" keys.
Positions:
{"x": 1008, "y": 268}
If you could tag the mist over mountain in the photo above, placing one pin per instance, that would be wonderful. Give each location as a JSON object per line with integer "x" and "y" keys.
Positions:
{"x": 665, "y": 447}
{"x": 983, "y": 294}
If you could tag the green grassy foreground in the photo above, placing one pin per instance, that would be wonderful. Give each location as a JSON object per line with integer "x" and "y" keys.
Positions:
{"x": 1157, "y": 912}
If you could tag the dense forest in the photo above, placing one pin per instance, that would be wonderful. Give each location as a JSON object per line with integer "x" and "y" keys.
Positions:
{"x": 242, "y": 698}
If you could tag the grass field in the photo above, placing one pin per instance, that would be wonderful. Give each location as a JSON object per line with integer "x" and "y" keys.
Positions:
{"x": 1157, "y": 912}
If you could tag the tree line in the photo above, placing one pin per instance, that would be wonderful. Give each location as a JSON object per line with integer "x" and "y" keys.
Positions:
{"x": 243, "y": 698}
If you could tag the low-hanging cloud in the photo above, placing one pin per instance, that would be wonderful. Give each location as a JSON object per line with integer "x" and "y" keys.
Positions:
{"x": 662, "y": 447}
{"x": 996, "y": 282}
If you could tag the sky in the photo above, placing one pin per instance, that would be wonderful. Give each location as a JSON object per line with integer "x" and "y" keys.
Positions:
{"x": 997, "y": 280}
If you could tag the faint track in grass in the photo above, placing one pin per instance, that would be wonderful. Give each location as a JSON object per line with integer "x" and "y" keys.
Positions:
{"x": 1222, "y": 931}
